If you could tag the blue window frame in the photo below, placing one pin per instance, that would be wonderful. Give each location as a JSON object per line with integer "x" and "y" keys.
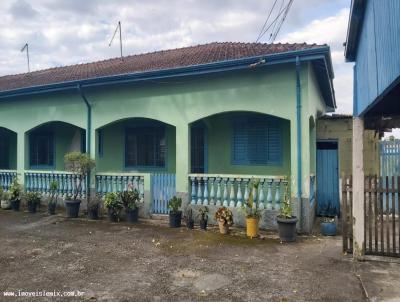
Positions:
{"x": 4, "y": 151}
{"x": 145, "y": 146}
{"x": 41, "y": 149}
{"x": 257, "y": 141}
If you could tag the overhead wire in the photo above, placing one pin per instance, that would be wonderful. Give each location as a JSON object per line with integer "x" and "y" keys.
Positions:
{"x": 266, "y": 21}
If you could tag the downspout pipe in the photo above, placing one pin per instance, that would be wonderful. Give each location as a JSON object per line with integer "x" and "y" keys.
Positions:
{"x": 88, "y": 136}
{"x": 298, "y": 119}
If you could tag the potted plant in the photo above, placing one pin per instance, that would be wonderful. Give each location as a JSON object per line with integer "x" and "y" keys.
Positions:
{"x": 80, "y": 164}
{"x": 252, "y": 213}
{"x": 328, "y": 221}
{"x": 286, "y": 221}
{"x": 16, "y": 192}
{"x": 130, "y": 200}
{"x": 113, "y": 204}
{"x": 52, "y": 202}
{"x": 5, "y": 200}
{"x": 175, "y": 215}
{"x": 189, "y": 219}
{"x": 203, "y": 210}
{"x": 94, "y": 207}
{"x": 224, "y": 217}
{"x": 33, "y": 200}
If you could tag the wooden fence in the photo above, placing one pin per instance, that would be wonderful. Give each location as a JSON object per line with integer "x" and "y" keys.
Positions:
{"x": 381, "y": 215}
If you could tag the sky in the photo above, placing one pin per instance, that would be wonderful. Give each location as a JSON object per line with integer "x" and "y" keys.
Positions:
{"x": 76, "y": 31}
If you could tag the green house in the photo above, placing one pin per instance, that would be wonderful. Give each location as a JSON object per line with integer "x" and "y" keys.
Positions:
{"x": 200, "y": 122}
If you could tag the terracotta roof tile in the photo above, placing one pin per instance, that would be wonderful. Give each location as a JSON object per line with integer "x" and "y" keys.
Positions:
{"x": 166, "y": 59}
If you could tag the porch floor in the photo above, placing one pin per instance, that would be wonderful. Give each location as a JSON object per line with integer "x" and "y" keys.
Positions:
{"x": 151, "y": 262}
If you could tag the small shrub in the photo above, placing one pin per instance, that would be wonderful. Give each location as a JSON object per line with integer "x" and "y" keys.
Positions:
{"x": 174, "y": 204}
{"x": 224, "y": 215}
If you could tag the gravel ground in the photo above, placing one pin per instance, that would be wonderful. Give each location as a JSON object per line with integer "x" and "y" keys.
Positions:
{"x": 151, "y": 262}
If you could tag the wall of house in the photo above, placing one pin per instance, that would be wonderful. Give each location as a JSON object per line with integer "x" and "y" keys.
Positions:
{"x": 219, "y": 143}
{"x": 177, "y": 102}
{"x": 113, "y": 159}
{"x": 341, "y": 130}
{"x": 377, "y": 64}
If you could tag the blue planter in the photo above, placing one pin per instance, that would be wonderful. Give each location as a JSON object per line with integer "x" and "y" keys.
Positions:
{"x": 328, "y": 228}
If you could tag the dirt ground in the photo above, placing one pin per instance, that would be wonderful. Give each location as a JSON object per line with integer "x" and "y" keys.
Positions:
{"x": 151, "y": 262}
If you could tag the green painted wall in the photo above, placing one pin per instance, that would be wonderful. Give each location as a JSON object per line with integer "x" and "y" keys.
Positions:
{"x": 177, "y": 102}
{"x": 219, "y": 134}
{"x": 67, "y": 138}
{"x": 114, "y": 149}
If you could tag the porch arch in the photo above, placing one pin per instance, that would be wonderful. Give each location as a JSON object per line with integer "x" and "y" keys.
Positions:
{"x": 136, "y": 144}
{"x": 241, "y": 142}
{"x": 47, "y": 143}
{"x": 8, "y": 149}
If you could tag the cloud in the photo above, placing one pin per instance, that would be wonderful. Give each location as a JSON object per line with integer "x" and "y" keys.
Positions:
{"x": 332, "y": 31}
{"x": 20, "y": 9}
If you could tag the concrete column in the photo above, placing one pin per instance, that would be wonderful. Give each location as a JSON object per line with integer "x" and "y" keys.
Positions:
{"x": 21, "y": 156}
{"x": 358, "y": 187}
{"x": 182, "y": 159}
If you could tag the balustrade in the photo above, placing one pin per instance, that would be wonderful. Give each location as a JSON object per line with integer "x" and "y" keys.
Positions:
{"x": 106, "y": 183}
{"x": 233, "y": 190}
{"x": 6, "y": 178}
{"x": 40, "y": 182}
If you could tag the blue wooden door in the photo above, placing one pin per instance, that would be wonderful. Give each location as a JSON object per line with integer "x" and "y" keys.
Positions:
{"x": 163, "y": 189}
{"x": 327, "y": 179}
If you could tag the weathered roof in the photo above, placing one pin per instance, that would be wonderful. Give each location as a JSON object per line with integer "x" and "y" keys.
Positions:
{"x": 159, "y": 60}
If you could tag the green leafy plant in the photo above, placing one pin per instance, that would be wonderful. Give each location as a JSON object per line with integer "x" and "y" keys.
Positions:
{"x": 130, "y": 198}
{"x": 203, "y": 210}
{"x": 80, "y": 164}
{"x": 15, "y": 190}
{"x": 286, "y": 208}
{"x": 33, "y": 197}
{"x": 224, "y": 215}
{"x": 174, "y": 204}
{"x": 53, "y": 192}
{"x": 248, "y": 207}
{"x": 112, "y": 201}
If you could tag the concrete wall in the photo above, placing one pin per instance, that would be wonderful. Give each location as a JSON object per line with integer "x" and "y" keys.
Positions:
{"x": 341, "y": 129}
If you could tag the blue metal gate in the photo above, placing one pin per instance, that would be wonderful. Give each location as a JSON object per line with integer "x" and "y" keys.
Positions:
{"x": 163, "y": 189}
{"x": 327, "y": 179}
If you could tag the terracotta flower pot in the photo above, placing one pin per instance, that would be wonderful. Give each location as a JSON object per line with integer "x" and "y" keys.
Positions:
{"x": 223, "y": 227}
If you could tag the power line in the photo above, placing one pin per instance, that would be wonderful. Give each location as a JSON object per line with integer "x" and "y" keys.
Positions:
{"x": 265, "y": 23}
{"x": 272, "y": 23}
{"x": 282, "y": 21}
{"x": 275, "y": 21}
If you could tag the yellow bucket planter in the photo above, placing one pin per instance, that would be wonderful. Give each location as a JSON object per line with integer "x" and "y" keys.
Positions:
{"x": 252, "y": 227}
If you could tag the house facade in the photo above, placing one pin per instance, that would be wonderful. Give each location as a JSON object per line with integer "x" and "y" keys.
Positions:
{"x": 372, "y": 44}
{"x": 199, "y": 122}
